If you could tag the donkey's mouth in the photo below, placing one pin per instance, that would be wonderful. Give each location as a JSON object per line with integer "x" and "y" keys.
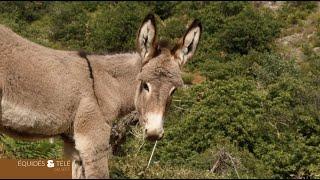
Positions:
{"x": 154, "y": 137}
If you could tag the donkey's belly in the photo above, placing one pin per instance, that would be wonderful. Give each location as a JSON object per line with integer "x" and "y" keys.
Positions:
{"x": 23, "y": 119}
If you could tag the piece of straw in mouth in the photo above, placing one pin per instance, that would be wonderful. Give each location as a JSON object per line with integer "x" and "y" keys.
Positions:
{"x": 154, "y": 147}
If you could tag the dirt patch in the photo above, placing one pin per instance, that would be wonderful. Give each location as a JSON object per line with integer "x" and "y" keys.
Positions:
{"x": 197, "y": 78}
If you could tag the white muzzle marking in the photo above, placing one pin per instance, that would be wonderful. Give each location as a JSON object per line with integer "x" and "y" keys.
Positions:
{"x": 154, "y": 124}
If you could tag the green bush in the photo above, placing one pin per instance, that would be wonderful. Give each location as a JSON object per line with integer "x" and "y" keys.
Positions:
{"x": 18, "y": 15}
{"x": 293, "y": 12}
{"x": 69, "y": 24}
{"x": 173, "y": 29}
{"x": 249, "y": 30}
{"x": 308, "y": 6}
{"x": 163, "y": 9}
{"x": 187, "y": 78}
{"x": 290, "y": 112}
{"x": 255, "y": 105}
{"x": 318, "y": 33}
{"x": 41, "y": 149}
{"x": 267, "y": 68}
{"x": 210, "y": 17}
{"x": 213, "y": 98}
{"x": 231, "y": 8}
{"x": 24, "y": 11}
{"x": 112, "y": 30}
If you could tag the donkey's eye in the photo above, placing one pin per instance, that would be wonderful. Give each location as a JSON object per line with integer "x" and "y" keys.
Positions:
{"x": 172, "y": 92}
{"x": 145, "y": 86}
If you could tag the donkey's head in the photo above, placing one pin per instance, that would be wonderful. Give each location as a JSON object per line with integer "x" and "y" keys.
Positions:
{"x": 160, "y": 74}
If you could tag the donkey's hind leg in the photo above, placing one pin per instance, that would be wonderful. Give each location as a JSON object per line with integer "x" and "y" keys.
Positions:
{"x": 71, "y": 153}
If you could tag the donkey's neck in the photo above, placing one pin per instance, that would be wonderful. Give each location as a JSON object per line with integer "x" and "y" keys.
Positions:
{"x": 116, "y": 79}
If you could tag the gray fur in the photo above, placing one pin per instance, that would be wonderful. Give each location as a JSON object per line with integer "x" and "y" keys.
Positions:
{"x": 46, "y": 92}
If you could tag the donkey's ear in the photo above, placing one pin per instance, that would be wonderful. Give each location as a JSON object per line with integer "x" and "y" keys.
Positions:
{"x": 146, "y": 40}
{"x": 187, "y": 46}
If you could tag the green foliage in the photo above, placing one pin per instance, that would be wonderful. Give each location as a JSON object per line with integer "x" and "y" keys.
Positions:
{"x": 318, "y": 33}
{"x": 249, "y": 30}
{"x": 213, "y": 98}
{"x": 31, "y": 150}
{"x": 18, "y": 14}
{"x": 113, "y": 33}
{"x": 69, "y": 24}
{"x": 211, "y": 17}
{"x": 308, "y": 6}
{"x": 256, "y": 106}
{"x": 24, "y": 11}
{"x": 187, "y": 78}
{"x": 163, "y": 9}
{"x": 267, "y": 68}
{"x": 173, "y": 29}
{"x": 290, "y": 111}
{"x": 293, "y": 12}
{"x": 231, "y": 8}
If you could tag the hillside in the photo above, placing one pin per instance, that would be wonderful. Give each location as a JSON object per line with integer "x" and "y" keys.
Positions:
{"x": 251, "y": 104}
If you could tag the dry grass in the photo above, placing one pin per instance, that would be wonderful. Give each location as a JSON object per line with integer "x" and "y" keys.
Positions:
{"x": 198, "y": 78}
{"x": 292, "y": 41}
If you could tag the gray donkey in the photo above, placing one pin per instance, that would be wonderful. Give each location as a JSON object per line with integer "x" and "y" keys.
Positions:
{"x": 46, "y": 92}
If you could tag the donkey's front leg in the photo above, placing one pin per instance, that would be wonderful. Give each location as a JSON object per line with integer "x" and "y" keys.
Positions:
{"x": 71, "y": 153}
{"x": 91, "y": 135}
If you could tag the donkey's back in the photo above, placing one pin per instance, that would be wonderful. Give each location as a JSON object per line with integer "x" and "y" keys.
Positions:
{"x": 39, "y": 87}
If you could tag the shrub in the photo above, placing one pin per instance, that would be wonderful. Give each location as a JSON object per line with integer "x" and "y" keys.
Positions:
{"x": 69, "y": 24}
{"x": 293, "y": 12}
{"x": 212, "y": 98}
{"x": 255, "y": 105}
{"x": 249, "y": 30}
{"x": 173, "y": 29}
{"x": 25, "y": 11}
{"x": 112, "y": 30}
{"x": 267, "y": 68}
{"x": 187, "y": 78}
{"x": 31, "y": 150}
{"x": 231, "y": 8}
{"x": 211, "y": 17}
{"x": 289, "y": 110}
{"x": 163, "y": 9}
{"x": 18, "y": 15}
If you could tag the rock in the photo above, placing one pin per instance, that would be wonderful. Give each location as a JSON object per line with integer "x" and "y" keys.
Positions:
{"x": 292, "y": 39}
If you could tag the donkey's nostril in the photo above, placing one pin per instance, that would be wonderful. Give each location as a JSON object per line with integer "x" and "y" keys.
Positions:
{"x": 153, "y": 137}
{"x": 154, "y": 134}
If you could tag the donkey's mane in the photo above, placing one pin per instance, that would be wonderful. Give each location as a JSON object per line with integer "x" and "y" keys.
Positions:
{"x": 164, "y": 43}
{"x": 83, "y": 54}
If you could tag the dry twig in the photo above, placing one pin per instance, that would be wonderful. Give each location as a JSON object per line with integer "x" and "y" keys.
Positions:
{"x": 154, "y": 147}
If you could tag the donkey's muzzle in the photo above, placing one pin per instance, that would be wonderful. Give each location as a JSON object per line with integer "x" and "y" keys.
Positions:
{"x": 154, "y": 135}
{"x": 154, "y": 126}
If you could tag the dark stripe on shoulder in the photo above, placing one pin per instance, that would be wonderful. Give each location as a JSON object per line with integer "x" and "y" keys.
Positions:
{"x": 83, "y": 54}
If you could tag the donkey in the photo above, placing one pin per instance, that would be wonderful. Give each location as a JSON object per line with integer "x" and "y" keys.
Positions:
{"x": 46, "y": 92}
